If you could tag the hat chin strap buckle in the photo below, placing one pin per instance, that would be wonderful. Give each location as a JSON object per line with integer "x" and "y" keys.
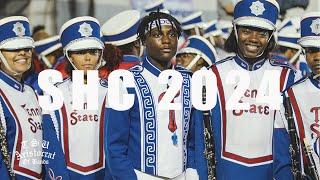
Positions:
{"x": 5, "y": 62}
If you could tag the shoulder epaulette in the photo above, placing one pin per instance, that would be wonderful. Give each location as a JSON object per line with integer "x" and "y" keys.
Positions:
{"x": 59, "y": 83}
{"x": 286, "y": 64}
{"x": 301, "y": 80}
{"x": 224, "y": 60}
{"x": 104, "y": 83}
{"x": 136, "y": 68}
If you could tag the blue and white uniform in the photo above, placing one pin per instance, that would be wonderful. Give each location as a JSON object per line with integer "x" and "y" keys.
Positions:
{"x": 243, "y": 138}
{"x": 20, "y": 113}
{"x": 23, "y": 123}
{"x": 144, "y": 142}
{"x": 303, "y": 67}
{"x": 306, "y": 112}
{"x": 304, "y": 97}
{"x": 76, "y": 137}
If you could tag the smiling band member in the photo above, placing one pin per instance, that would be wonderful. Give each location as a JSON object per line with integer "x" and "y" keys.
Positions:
{"x": 145, "y": 142}
{"x": 20, "y": 113}
{"x": 75, "y": 137}
{"x": 243, "y": 137}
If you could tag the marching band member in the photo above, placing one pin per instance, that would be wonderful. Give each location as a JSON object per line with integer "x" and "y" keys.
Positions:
{"x": 287, "y": 48}
{"x": 20, "y": 113}
{"x": 304, "y": 98}
{"x": 192, "y": 24}
{"x": 144, "y": 142}
{"x": 122, "y": 47}
{"x": 39, "y": 32}
{"x": 154, "y": 6}
{"x": 47, "y": 53}
{"x": 198, "y": 53}
{"x": 75, "y": 137}
{"x": 217, "y": 32}
{"x": 243, "y": 137}
{"x": 49, "y": 50}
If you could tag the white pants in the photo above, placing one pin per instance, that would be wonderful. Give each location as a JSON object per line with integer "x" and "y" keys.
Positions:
{"x": 183, "y": 176}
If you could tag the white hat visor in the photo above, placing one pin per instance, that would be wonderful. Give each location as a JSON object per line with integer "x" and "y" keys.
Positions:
{"x": 255, "y": 22}
{"x": 17, "y": 43}
{"x": 84, "y": 43}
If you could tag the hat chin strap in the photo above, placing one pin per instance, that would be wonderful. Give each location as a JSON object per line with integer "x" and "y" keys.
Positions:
{"x": 141, "y": 50}
{"x": 74, "y": 67}
{"x": 99, "y": 64}
{"x": 236, "y": 34}
{"x": 46, "y": 61}
{"x": 197, "y": 30}
{"x": 295, "y": 57}
{"x": 316, "y": 76}
{"x": 194, "y": 61}
{"x": 5, "y": 62}
{"x": 212, "y": 40}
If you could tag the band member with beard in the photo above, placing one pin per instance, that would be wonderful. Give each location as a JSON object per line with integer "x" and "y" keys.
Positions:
{"x": 122, "y": 47}
{"x": 304, "y": 97}
{"x": 75, "y": 137}
{"x": 243, "y": 135}
{"x": 145, "y": 142}
{"x": 20, "y": 113}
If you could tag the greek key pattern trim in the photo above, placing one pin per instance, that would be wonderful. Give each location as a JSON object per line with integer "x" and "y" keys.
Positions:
{"x": 186, "y": 113}
{"x": 150, "y": 125}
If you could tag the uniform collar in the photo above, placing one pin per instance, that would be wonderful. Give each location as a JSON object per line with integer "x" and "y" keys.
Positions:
{"x": 242, "y": 63}
{"x": 131, "y": 58}
{"x": 152, "y": 68}
{"x": 315, "y": 82}
{"x": 11, "y": 81}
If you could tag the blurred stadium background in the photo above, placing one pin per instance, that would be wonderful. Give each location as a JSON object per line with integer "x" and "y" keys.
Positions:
{"x": 53, "y": 13}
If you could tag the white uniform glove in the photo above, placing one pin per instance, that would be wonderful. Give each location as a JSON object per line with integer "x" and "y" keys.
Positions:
{"x": 192, "y": 174}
